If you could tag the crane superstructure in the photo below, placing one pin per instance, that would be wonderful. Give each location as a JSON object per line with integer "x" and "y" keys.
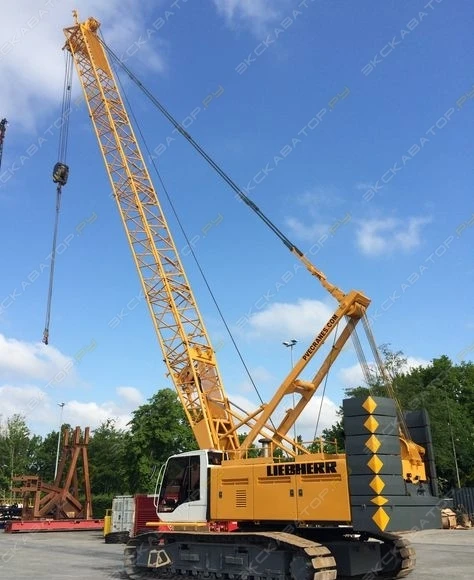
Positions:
{"x": 208, "y": 489}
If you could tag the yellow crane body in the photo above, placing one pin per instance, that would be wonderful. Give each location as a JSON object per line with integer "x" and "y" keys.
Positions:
{"x": 290, "y": 513}
{"x": 312, "y": 488}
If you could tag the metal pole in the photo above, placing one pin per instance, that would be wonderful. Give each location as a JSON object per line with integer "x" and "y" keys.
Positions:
{"x": 456, "y": 467}
{"x": 455, "y": 457}
{"x": 290, "y": 344}
{"x": 59, "y": 439}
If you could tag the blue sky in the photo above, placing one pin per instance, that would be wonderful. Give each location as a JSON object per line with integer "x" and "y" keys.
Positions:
{"x": 349, "y": 124}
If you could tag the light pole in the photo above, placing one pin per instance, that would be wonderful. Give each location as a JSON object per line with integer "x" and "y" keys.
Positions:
{"x": 453, "y": 445}
{"x": 290, "y": 344}
{"x": 59, "y": 439}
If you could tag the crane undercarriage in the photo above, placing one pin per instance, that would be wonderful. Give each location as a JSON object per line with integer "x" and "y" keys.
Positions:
{"x": 308, "y": 554}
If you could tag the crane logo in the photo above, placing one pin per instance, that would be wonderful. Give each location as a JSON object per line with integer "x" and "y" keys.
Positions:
{"x": 318, "y": 467}
{"x": 320, "y": 337}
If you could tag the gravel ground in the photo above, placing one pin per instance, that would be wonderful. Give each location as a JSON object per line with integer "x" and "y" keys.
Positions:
{"x": 59, "y": 556}
{"x": 441, "y": 555}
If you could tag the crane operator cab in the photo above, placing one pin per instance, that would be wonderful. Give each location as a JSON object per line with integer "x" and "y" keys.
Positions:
{"x": 183, "y": 486}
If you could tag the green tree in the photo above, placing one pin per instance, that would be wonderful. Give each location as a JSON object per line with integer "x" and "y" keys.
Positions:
{"x": 252, "y": 451}
{"x": 334, "y": 438}
{"x": 158, "y": 429}
{"x": 17, "y": 450}
{"x": 107, "y": 459}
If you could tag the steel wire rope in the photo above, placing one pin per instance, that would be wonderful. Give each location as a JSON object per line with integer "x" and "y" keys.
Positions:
{"x": 62, "y": 156}
{"x": 324, "y": 389}
{"x": 188, "y": 241}
{"x": 292, "y": 247}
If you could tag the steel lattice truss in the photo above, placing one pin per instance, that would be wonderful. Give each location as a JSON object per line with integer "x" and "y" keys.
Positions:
{"x": 188, "y": 353}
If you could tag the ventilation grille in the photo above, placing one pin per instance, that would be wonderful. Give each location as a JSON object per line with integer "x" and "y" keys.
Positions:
{"x": 235, "y": 481}
{"x": 241, "y": 498}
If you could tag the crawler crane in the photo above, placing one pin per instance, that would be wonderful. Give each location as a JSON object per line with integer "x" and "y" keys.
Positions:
{"x": 299, "y": 515}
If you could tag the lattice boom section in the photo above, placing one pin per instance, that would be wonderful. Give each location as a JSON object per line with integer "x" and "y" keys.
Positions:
{"x": 188, "y": 353}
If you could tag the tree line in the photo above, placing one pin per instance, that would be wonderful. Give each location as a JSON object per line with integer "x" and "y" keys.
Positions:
{"x": 127, "y": 461}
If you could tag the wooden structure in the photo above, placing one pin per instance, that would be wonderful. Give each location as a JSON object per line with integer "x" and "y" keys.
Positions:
{"x": 61, "y": 500}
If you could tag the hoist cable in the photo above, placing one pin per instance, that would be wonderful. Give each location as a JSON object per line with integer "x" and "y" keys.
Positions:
{"x": 385, "y": 377}
{"x": 324, "y": 389}
{"x": 211, "y": 293}
{"x": 65, "y": 109}
{"x": 51, "y": 272}
{"x": 333, "y": 290}
{"x": 361, "y": 356}
{"x": 60, "y": 175}
{"x": 203, "y": 154}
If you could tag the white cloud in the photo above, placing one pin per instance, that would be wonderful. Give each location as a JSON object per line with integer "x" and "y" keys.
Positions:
{"x": 257, "y": 13}
{"x": 130, "y": 395}
{"x": 318, "y": 198}
{"x": 308, "y": 233}
{"x": 353, "y": 376}
{"x": 242, "y": 403}
{"x": 22, "y": 400}
{"x": 363, "y": 186}
{"x": 414, "y": 362}
{"x": 20, "y": 361}
{"x": 316, "y": 204}
{"x": 260, "y": 375}
{"x": 42, "y": 414}
{"x": 283, "y": 320}
{"x": 92, "y": 414}
{"x": 32, "y": 381}
{"x": 379, "y": 236}
{"x": 306, "y": 424}
{"x": 32, "y": 60}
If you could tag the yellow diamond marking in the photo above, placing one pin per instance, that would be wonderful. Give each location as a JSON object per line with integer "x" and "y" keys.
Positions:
{"x": 377, "y": 484}
{"x": 371, "y": 424}
{"x": 369, "y": 405}
{"x": 381, "y": 518}
{"x": 375, "y": 463}
{"x": 373, "y": 443}
{"x": 379, "y": 500}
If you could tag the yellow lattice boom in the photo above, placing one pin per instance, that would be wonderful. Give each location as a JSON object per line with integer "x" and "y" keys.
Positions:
{"x": 189, "y": 355}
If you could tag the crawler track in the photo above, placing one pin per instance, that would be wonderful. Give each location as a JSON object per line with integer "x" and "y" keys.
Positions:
{"x": 243, "y": 556}
{"x": 259, "y": 556}
{"x": 406, "y": 554}
{"x": 396, "y": 558}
